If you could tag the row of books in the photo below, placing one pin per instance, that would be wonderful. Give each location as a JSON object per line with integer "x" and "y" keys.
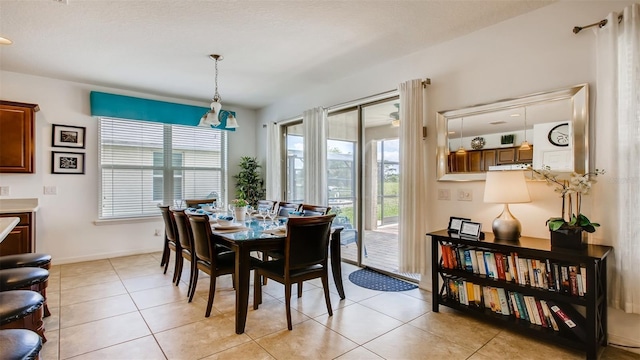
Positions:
{"x": 545, "y": 313}
{"x": 544, "y": 274}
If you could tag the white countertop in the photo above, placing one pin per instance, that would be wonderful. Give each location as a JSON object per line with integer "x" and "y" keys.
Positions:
{"x": 8, "y": 206}
{"x": 6, "y": 225}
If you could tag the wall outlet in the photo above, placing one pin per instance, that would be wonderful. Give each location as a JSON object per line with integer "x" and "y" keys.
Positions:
{"x": 444, "y": 194}
{"x": 50, "y": 190}
{"x": 157, "y": 232}
{"x": 5, "y": 191}
{"x": 465, "y": 195}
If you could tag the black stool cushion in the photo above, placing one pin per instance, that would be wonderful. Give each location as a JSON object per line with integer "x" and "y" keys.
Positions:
{"x": 19, "y": 344}
{"x": 23, "y": 260}
{"x": 17, "y": 304}
{"x": 18, "y": 278}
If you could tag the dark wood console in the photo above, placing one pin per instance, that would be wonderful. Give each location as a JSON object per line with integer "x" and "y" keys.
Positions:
{"x": 558, "y": 295}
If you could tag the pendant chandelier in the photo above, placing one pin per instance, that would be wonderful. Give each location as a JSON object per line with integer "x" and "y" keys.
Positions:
{"x": 461, "y": 150}
{"x": 212, "y": 117}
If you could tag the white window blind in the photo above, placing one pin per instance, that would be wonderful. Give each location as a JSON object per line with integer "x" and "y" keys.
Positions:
{"x": 143, "y": 164}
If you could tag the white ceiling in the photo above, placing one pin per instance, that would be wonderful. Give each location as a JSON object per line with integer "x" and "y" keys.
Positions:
{"x": 272, "y": 49}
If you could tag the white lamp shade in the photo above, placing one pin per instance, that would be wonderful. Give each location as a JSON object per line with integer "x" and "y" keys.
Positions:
{"x": 232, "y": 122}
{"x": 506, "y": 187}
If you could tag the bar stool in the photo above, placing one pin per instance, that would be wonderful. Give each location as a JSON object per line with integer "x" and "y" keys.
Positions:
{"x": 26, "y": 278}
{"x": 19, "y": 344}
{"x": 25, "y": 260}
{"x": 22, "y": 309}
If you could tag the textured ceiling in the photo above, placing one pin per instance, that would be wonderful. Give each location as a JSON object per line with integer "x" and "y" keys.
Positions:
{"x": 271, "y": 48}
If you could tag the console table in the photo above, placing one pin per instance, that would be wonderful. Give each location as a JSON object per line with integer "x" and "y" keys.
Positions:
{"x": 547, "y": 277}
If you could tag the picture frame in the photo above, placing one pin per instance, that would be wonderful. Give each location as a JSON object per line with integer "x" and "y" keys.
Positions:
{"x": 471, "y": 229}
{"x": 68, "y": 136}
{"x": 455, "y": 223}
{"x": 67, "y": 162}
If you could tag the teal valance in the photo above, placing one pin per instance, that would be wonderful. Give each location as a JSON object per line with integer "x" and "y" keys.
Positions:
{"x": 129, "y": 107}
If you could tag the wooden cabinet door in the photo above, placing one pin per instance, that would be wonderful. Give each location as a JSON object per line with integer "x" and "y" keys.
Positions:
{"x": 525, "y": 155}
{"x": 17, "y": 137}
{"x": 488, "y": 159}
{"x": 506, "y": 156}
{"x": 18, "y": 241}
{"x": 475, "y": 161}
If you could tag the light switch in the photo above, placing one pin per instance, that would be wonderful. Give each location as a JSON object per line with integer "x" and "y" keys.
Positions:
{"x": 5, "y": 191}
{"x": 50, "y": 190}
{"x": 465, "y": 195}
{"x": 444, "y": 194}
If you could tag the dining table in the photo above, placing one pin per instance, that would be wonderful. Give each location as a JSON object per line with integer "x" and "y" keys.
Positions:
{"x": 253, "y": 235}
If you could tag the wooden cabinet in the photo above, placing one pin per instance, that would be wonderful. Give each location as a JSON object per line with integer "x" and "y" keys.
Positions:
{"x": 17, "y": 137}
{"x": 453, "y": 271}
{"x": 22, "y": 238}
{"x": 482, "y": 160}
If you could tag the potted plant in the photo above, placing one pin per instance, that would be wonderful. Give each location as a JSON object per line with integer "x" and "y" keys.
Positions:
{"x": 249, "y": 183}
{"x": 571, "y": 233}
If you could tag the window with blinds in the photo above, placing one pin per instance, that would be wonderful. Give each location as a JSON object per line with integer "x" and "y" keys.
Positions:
{"x": 143, "y": 164}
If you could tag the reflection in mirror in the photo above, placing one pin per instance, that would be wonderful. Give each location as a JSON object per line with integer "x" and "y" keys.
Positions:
{"x": 543, "y": 129}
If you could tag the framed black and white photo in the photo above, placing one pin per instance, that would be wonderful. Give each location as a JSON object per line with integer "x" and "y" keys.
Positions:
{"x": 68, "y": 136}
{"x": 67, "y": 163}
{"x": 470, "y": 229}
{"x": 455, "y": 223}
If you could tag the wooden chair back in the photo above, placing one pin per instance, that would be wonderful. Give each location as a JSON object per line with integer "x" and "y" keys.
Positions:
{"x": 202, "y": 238}
{"x": 307, "y": 241}
{"x": 314, "y": 210}
{"x": 195, "y": 203}
{"x": 285, "y": 207}
{"x": 183, "y": 228}
{"x": 170, "y": 231}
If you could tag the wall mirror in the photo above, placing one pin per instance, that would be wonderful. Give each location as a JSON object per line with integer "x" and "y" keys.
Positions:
{"x": 543, "y": 129}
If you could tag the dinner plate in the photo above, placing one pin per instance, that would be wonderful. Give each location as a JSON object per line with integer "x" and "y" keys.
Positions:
{"x": 227, "y": 227}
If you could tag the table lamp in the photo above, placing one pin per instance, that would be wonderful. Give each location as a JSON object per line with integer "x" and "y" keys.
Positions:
{"x": 506, "y": 187}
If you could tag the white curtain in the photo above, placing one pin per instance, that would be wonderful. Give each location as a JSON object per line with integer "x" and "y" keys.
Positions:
{"x": 618, "y": 118}
{"x": 274, "y": 159}
{"x": 413, "y": 245}
{"x": 314, "y": 122}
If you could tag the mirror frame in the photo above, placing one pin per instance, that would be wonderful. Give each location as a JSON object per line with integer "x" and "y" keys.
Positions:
{"x": 579, "y": 96}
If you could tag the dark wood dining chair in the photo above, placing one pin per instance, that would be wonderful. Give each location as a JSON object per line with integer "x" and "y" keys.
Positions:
{"x": 186, "y": 247}
{"x": 211, "y": 259}
{"x": 314, "y": 210}
{"x": 285, "y": 207}
{"x": 195, "y": 203}
{"x": 270, "y": 204}
{"x": 170, "y": 240}
{"x": 306, "y": 252}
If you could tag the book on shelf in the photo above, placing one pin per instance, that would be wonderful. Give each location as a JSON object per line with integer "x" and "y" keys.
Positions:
{"x": 482, "y": 266}
{"x": 547, "y": 314}
{"x": 570, "y": 319}
{"x": 474, "y": 261}
{"x": 504, "y": 304}
{"x": 583, "y": 275}
{"x": 500, "y": 273}
{"x": 543, "y": 319}
{"x": 573, "y": 280}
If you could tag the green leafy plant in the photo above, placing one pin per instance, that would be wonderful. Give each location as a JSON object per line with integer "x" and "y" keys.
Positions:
{"x": 249, "y": 182}
{"x": 571, "y": 192}
{"x": 239, "y": 202}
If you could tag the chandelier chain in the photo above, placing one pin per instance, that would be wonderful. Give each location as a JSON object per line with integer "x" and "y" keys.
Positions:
{"x": 216, "y": 96}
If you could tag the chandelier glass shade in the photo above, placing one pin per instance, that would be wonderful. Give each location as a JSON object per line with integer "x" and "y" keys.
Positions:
{"x": 212, "y": 117}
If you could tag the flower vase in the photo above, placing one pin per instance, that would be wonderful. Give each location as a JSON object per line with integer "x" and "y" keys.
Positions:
{"x": 569, "y": 238}
{"x": 239, "y": 213}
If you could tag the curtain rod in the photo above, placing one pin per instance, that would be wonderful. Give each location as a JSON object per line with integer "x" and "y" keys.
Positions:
{"x": 373, "y": 97}
{"x": 600, "y": 24}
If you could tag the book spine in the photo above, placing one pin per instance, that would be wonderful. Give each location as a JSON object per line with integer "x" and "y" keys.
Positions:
{"x": 547, "y": 314}
{"x": 583, "y": 274}
{"x": 564, "y": 276}
{"x": 462, "y": 290}
{"x": 504, "y": 305}
{"x": 557, "y": 276}
{"x": 524, "y": 272}
{"x": 482, "y": 266}
{"x": 445, "y": 257}
{"x": 474, "y": 261}
{"x": 516, "y": 268}
{"x": 534, "y": 309}
{"x": 550, "y": 279}
{"x": 573, "y": 280}
{"x": 580, "y": 289}
{"x": 566, "y": 320}
{"x": 532, "y": 276}
{"x": 499, "y": 266}
{"x": 543, "y": 320}
{"x": 468, "y": 266}
{"x": 514, "y": 304}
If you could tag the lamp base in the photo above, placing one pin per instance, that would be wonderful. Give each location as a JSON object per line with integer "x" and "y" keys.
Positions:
{"x": 506, "y": 226}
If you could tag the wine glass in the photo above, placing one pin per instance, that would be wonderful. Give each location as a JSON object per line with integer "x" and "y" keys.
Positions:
{"x": 264, "y": 212}
{"x": 272, "y": 214}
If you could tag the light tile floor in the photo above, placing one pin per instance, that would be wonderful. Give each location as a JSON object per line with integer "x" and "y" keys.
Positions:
{"x": 126, "y": 308}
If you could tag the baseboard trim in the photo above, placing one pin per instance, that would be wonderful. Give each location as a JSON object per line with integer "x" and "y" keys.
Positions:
{"x": 101, "y": 256}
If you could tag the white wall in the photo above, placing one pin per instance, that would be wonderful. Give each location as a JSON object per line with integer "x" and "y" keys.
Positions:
{"x": 528, "y": 54}
{"x": 65, "y": 222}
